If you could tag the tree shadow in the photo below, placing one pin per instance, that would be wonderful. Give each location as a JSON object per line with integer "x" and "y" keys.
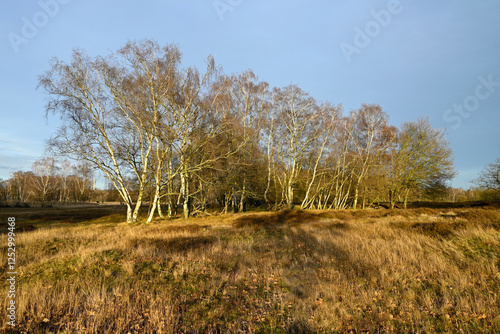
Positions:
{"x": 290, "y": 239}
{"x": 349, "y": 265}
{"x": 176, "y": 245}
{"x": 190, "y": 228}
{"x": 276, "y": 219}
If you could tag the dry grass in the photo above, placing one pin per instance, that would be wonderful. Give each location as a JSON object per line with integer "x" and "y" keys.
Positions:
{"x": 368, "y": 271}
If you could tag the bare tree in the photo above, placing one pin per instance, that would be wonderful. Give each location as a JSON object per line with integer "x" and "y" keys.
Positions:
{"x": 18, "y": 186}
{"x": 329, "y": 118}
{"x": 82, "y": 181}
{"x": 4, "y": 193}
{"x": 112, "y": 109}
{"x": 194, "y": 111}
{"x": 300, "y": 123}
{"x": 248, "y": 101}
{"x": 161, "y": 133}
{"x": 489, "y": 177}
{"x": 65, "y": 169}
{"x": 370, "y": 141}
{"x": 336, "y": 180}
{"x": 91, "y": 129}
{"x": 141, "y": 79}
{"x": 44, "y": 180}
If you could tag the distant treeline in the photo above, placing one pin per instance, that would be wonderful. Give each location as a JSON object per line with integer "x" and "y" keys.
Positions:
{"x": 52, "y": 181}
{"x": 49, "y": 181}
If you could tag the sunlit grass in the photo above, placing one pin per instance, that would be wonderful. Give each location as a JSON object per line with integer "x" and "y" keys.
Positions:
{"x": 392, "y": 271}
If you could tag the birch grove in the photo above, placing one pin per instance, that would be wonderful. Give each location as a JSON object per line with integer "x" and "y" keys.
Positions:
{"x": 179, "y": 139}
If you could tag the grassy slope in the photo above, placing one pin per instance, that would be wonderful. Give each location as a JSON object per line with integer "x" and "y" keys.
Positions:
{"x": 420, "y": 270}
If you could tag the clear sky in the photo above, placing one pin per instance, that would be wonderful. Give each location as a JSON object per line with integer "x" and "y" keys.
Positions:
{"x": 414, "y": 58}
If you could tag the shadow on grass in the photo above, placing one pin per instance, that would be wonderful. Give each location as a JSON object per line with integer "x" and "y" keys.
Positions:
{"x": 314, "y": 251}
{"x": 276, "y": 219}
{"x": 317, "y": 218}
{"x": 456, "y": 205}
{"x": 190, "y": 228}
{"x": 71, "y": 214}
{"x": 437, "y": 229}
{"x": 176, "y": 244}
{"x": 454, "y": 221}
{"x": 22, "y": 227}
{"x": 291, "y": 241}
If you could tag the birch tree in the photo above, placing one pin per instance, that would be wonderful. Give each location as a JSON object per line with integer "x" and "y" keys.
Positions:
{"x": 90, "y": 127}
{"x": 112, "y": 109}
{"x": 18, "y": 186}
{"x": 489, "y": 177}
{"x": 202, "y": 117}
{"x": 141, "y": 79}
{"x": 337, "y": 181}
{"x": 329, "y": 117}
{"x": 300, "y": 122}
{"x": 82, "y": 181}
{"x": 248, "y": 101}
{"x": 44, "y": 180}
{"x": 369, "y": 143}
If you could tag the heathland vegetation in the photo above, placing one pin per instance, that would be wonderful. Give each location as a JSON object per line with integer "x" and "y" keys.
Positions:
{"x": 419, "y": 270}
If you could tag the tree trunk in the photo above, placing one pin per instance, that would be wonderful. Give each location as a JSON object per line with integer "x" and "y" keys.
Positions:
{"x": 129, "y": 213}
{"x": 303, "y": 205}
{"x": 152, "y": 211}
{"x": 227, "y": 199}
{"x": 355, "y": 203}
{"x": 186, "y": 207}
{"x": 407, "y": 192}
{"x": 137, "y": 209}
{"x": 154, "y": 202}
{"x": 243, "y": 197}
{"x": 169, "y": 204}
{"x": 158, "y": 205}
{"x": 235, "y": 202}
{"x": 185, "y": 195}
{"x": 170, "y": 189}
{"x": 203, "y": 197}
{"x": 243, "y": 206}
{"x": 289, "y": 199}
{"x": 392, "y": 200}
{"x": 269, "y": 166}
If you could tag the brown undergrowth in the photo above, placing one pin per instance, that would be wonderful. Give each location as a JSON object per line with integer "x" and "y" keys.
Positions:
{"x": 367, "y": 271}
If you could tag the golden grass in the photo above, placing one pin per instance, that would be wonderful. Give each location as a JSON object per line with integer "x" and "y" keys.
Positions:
{"x": 365, "y": 271}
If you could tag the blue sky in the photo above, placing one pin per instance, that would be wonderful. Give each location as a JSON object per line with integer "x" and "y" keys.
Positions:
{"x": 414, "y": 58}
